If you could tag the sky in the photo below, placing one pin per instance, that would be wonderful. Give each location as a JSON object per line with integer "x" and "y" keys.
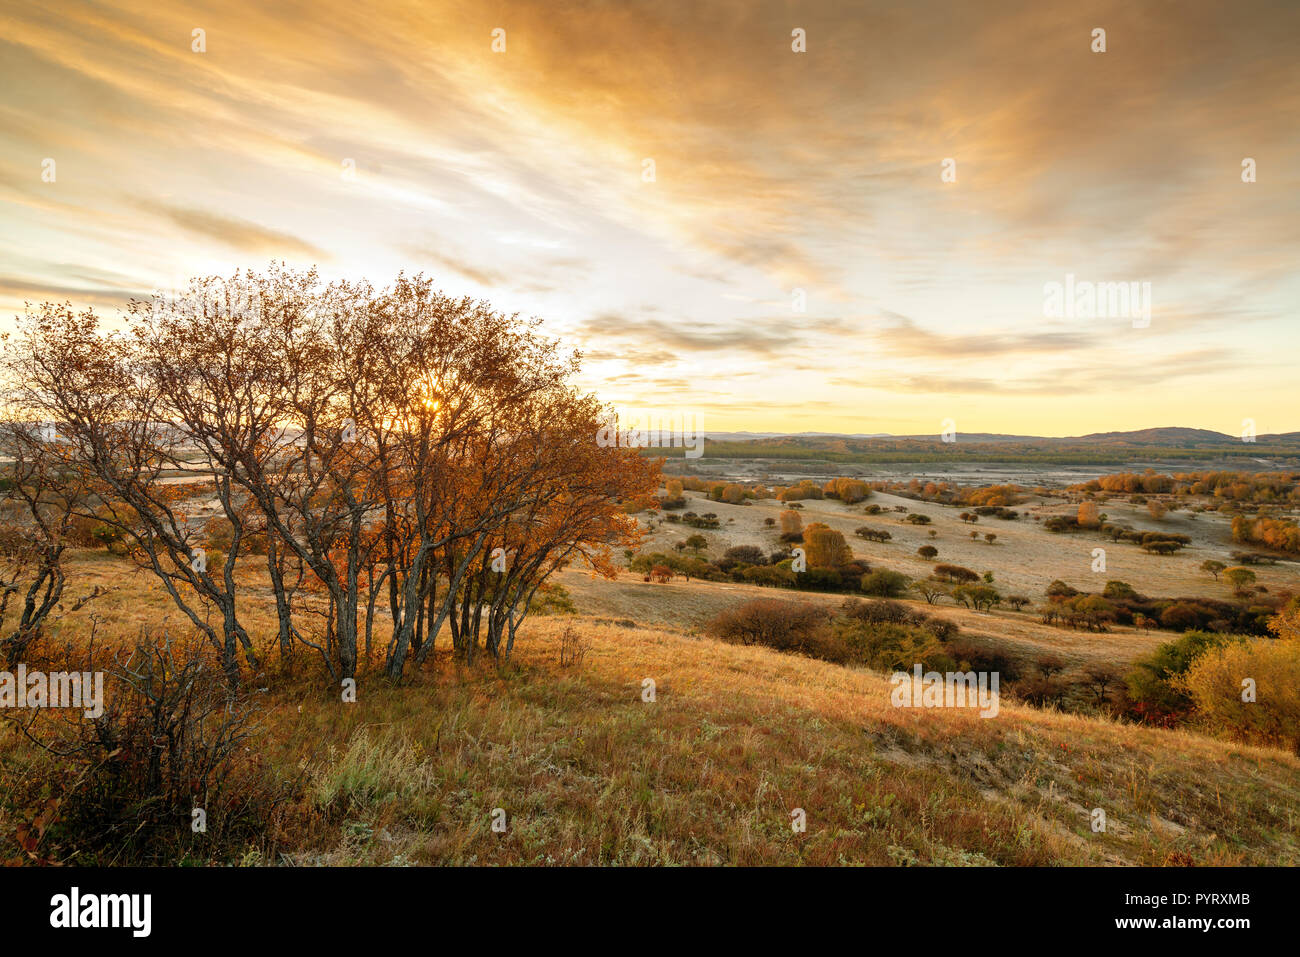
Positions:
{"x": 725, "y": 226}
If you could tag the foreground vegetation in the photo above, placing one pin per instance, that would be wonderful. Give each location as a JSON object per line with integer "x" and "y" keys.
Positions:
{"x": 736, "y": 738}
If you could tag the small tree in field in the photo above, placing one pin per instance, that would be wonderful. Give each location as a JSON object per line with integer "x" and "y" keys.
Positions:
{"x": 930, "y": 590}
{"x": 825, "y": 546}
{"x": 791, "y": 525}
{"x": 1240, "y": 579}
{"x": 990, "y": 537}
{"x": 1213, "y": 567}
{"x": 927, "y": 552}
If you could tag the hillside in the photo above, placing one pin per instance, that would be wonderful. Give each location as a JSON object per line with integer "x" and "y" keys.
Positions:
{"x": 739, "y": 737}
{"x": 710, "y": 772}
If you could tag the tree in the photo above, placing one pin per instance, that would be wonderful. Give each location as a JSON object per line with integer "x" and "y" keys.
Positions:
{"x": 1154, "y": 684}
{"x": 872, "y": 534}
{"x": 1088, "y": 515}
{"x": 1102, "y": 679}
{"x": 848, "y": 490}
{"x": 927, "y": 552}
{"x": 1215, "y": 568}
{"x": 697, "y": 543}
{"x": 674, "y": 496}
{"x": 1156, "y": 509}
{"x": 979, "y": 597}
{"x": 930, "y": 590}
{"x": 954, "y": 573}
{"x": 1240, "y": 579}
{"x": 825, "y": 547}
{"x": 791, "y": 525}
{"x": 40, "y": 500}
{"x": 990, "y": 537}
{"x": 1094, "y": 611}
{"x": 1017, "y": 601}
{"x": 367, "y": 440}
{"x": 916, "y": 518}
{"x": 1058, "y": 590}
{"x": 1271, "y": 715}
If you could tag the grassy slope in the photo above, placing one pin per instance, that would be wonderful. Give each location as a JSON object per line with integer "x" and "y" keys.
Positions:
{"x": 738, "y": 738}
{"x": 710, "y": 772}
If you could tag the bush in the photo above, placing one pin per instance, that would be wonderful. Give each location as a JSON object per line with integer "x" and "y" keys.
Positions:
{"x": 1154, "y": 686}
{"x": 1213, "y": 683}
{"x": 742, "y": 555}
{"x": 1118, "y": 590}
{"x": 878, "y": 611}
{"x": 783, "y": 625}
{"x": 885, "y": 583}
{"x": 172, "y": 737}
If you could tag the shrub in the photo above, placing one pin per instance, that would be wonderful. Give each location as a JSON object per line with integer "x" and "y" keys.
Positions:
{"x": 742, "y": 555}
{"x": 1213, "y": 683}
{"x": 885, "y": 583}
{"x": 1154, "y": 688}
{"x": 172, "y": 737}
{"x": 1118, "y": 590}
{"x": 784, "y": 625}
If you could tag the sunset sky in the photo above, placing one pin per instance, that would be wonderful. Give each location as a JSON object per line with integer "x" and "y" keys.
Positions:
{"x": 517, "y": 176}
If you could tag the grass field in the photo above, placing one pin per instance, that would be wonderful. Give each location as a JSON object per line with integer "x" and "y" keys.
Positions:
{"x": 736, "y": 741}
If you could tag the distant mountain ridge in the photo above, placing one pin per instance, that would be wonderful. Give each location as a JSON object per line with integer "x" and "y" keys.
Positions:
{"x": 1163, "y": 436}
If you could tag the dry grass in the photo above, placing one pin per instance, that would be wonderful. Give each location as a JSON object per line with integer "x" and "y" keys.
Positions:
{"x": 737, "y": 738}
{"x": 711, "y": 771}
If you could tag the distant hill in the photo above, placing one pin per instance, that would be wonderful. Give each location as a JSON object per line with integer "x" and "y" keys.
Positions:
{"x": 1167, "y": 447}
{"x": 1164, "y": 436}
